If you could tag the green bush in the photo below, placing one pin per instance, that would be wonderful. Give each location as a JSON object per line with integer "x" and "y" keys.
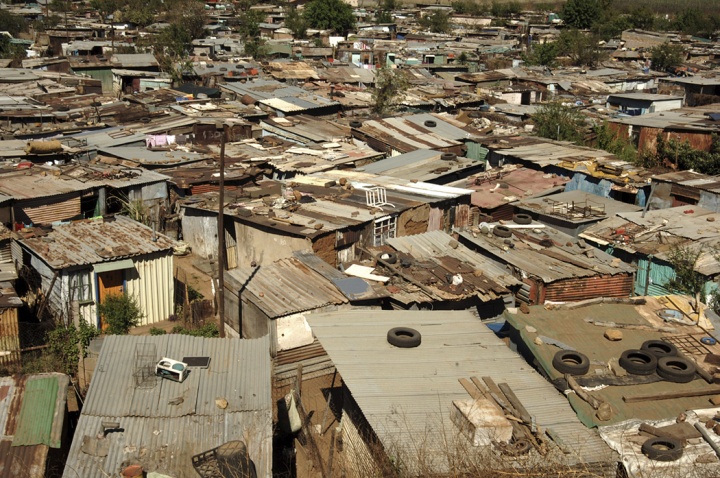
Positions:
{"x": 209, "y": 330}
{"x": 120, "y": 312}
{"x": 157, "y": 331}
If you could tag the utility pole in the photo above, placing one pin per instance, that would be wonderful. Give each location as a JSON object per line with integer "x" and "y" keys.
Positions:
{"x": 221, "y": 236}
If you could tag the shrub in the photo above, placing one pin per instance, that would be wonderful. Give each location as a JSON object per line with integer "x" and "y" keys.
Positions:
{"x": 157, "y": 331}
{"x": 120, "y": 312}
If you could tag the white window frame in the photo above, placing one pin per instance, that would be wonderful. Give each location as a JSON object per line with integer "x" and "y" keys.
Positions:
{"x": 384, "y": 228}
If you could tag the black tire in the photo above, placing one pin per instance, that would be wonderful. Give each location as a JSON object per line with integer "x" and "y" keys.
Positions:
{"x": 522, "y": 219}
{"x": 448, "y": 156}
{"x": 659, "y": 348}
{"x": 638, "y": 362}
{"x": 662, "y": 449}
{"x": 388, "y": 257}
{"x": 430, "y": 123}
{"x": 502, "y": 231}
{"x": 355, "y": 124}
{"x": 404, "y": 337}
{"x": 676, "y": 369}
{"x": 572, "y": 362}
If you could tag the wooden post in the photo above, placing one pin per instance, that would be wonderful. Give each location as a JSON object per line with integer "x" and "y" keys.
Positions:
{"x": 298, "y": 381}
{"x": 221, "y": 237}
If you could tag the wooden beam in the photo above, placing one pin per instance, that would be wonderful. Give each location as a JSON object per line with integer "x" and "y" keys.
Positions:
{"x": 671, "y": 395}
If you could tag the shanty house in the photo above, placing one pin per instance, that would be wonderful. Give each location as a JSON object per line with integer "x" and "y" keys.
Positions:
{"x": 397, "y": 403}
{"x": 78, "y": 265}
{"x": 553, "y": 265}
{"x": 635, "y": 104}
{"x": 34, "y": 424}
{"x": 131, "y": 417}
{"x": 649, "y": 239}
{"x": 498, "y": 190}
{"x": 317, "y": 214}
{"x": 572, "y": 211}
{"x": 275, "y": 299}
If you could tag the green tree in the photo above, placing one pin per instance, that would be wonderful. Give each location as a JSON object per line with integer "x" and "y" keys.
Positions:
{"x": 504, "y": 9}
{"x": 581, "y": 48}
{"x": 581, "y": 13}
{"x": 543, "y": 54}
{"x": 13, "y": 24}
{"x": 296, "y": 24}
{"x": 667, "y": 56}
{"x": 558, "y": 122}
{"x": 612, "y": 142}
{"x": 469, "y": 7}
{"x": 681, "y": 155}
{"x": 693, "y": 21}
{"x": 190, "y": 15}
{"x": 642, "y": 18}
{"x": 333, "y": 15}
{"x": 436, "y": 22}
{"x": 120, "y": 312}
{"x": 383, "y": 16}
{"x": 390, "y": 5}
{"x": 687, "y": 279}
{"x": 390, "y": 86}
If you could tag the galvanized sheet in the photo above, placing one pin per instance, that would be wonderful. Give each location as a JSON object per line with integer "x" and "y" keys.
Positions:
{"x": 406, "y": 394}
{"x": 162, "y": 436}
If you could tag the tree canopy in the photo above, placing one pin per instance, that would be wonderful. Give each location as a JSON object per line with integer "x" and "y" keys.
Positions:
{"x": 436, "y": 22}
{"x": 330, "y": 15}
{"x": 558, "y": 122}
{"x": 667, "y": 56}
{"x": 581, "y": 13}
{"x": 389, "y": 87}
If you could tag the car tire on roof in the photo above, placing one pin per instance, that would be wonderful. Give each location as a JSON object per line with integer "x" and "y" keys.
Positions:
{"x": 430, "y": 123}
{"x": 662, "y": 449}
{"x": 522, "y": 219}
{"x": 572, "y": 362}
{"x": 355, "y": 124}
{"x": 388, "y": 257}
{"x": 638, "y": 362}
{"x": 502, "y": 231}
{"x": 448, "y": 156}
{"x": 404, "y": 337}
{"x": 676, "y": 369}
{"x": 659, "y": 348}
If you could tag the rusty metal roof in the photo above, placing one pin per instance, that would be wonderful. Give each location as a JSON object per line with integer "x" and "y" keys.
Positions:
{"x": 93, "y": 241}
{"x": 289, "y": 286}
{"x": 46, "y": 181}
{"x": 562, "y": 256}
{"x": 41, "y": 424}
{"x": 164, "y": 423}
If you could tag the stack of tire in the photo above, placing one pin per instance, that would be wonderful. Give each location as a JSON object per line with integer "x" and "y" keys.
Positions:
{"x": 661, "y": 357}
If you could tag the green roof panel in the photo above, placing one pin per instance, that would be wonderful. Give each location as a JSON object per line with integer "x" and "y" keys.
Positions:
{"x": 34, "y": 425}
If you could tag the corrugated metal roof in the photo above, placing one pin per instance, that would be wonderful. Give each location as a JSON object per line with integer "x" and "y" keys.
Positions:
{"x": 564, "y": 259}
{"x": 659, "y": 231}
{"x": 288, "y": 286}
{"x": 29, "y": 460}
{"x": 568, "y": 204}
{"x": 96, "y": 240}
{"x": 37, "y": 414}
{"x": 42, "y": 181}
{"x": 435, "y": 244}
{"x": 351, "y": 291}
{"x": 406, "y": 393}
{"x": 161, "y": 436}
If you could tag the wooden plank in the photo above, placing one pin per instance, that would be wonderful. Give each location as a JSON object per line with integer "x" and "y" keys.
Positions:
{"x": 515, "y": 402}
{"x": 671, "y": 395}
{"x": 471, "y": 389}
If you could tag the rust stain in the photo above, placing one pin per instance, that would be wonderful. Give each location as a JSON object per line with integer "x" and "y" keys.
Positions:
{"x": 15, "y": 405}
